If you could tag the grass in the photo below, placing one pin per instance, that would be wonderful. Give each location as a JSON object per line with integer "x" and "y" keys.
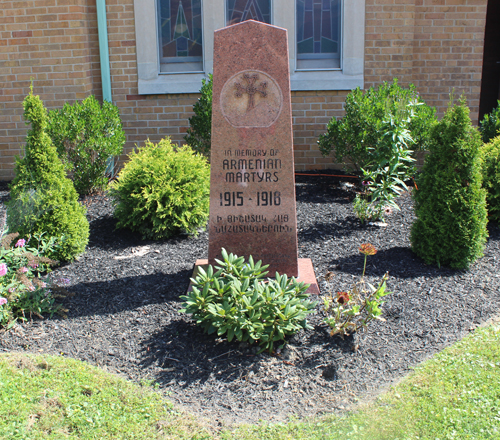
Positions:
{"x": 50, "y": 397}
{"x": 454, "y": 395}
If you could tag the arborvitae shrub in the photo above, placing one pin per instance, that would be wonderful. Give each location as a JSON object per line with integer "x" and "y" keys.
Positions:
{"x": 491, "y": 177}
{"x": 43, "y": 199}
{"x": 450, "y": 205}
{"x": 199, "y": 134}
{"x": 162, "y": 191}
{"x": 87, "y": 136}
{"x": 490, "y": 125}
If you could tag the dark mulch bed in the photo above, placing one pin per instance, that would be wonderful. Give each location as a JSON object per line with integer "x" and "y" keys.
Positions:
{"x": 124, "y": 316}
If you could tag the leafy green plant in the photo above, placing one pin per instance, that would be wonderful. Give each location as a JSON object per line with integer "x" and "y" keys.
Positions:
{"x": 490, "y": 125}
{"x": 392, "y": 165}
{"x": 22, "y": 292}
{"x": 351, "y": 311}
{"x": 199, "y": 135}
{"x": 355, "y": 138}
{"x": 87, "y": 137}
{"x": 235, "y": 301}
{"x": 162, "y": 191}
{"x": 43, "y": 199}
{"x": 365, "y": 210}
{"x": 450, "y": 205}
{"x": 491, "y": 177}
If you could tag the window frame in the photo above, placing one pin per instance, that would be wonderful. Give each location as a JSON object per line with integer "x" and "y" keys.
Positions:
{"x": 153, "y": 82}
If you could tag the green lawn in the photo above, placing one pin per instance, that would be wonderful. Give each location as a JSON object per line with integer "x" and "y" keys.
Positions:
{"x": 455, "y": 395}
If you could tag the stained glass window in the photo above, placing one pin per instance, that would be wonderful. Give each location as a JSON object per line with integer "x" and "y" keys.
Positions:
{"x": 241, "y": 10}
{"x": 180, "y": 35}
{"x": 318, "y": 34}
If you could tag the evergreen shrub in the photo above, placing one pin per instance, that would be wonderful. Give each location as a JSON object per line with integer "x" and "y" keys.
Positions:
{"x": 491, "y": 177}
{"x": 43, "y": 200}
{"x": 162, "y": 191}
{"x": 87, "y": 137}
{"x": 356, "y": 138}
{"x": 450, "y": 205}
{"x": 235, "y": 300}
{"x": 199, "y": 135}
{"x": 490, "y": 125}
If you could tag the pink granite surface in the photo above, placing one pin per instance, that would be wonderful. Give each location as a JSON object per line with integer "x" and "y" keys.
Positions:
{"x": 252, "y": 192}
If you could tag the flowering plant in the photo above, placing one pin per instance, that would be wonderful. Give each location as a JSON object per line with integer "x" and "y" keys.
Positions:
{"x": 22, "y": 292}
{"x": 347, "y": 312}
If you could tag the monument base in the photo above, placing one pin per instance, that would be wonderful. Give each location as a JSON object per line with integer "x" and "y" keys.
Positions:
{"x": 306, "y": 273}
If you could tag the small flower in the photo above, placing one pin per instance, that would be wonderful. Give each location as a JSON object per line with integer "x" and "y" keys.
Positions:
{"x": 343, "y": 297}
{"x": 368, "y": 249}
{"x": 23, "y": 269}
{"x": 3, "y": 269}
{"x": 40, "y": 283}
{"x": 3, "y": 301}
{"x": 31, "y": 288}
{"x": 20, "y": 243}
{"x": 12, "y": 289}
{"x": 33, "y": 264}
{"x": 387, "y": 210}
{"x": 63, "y": 281}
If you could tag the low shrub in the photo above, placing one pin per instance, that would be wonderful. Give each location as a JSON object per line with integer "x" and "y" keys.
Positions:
{"x": 162, "y": 191}
{"x": 43, "y": 199}
{"x": 355, "y": 138}
{"x": 87, "y": 137}
{"x": 235, "y": 301}
{"x": 490, "y": 125}
{"x": 22, "y": 292}
{"x": 450, "y": 205}
{"x": 348, "y": 312}
{"x": 491, "y": 177}
{"x": 199, "y": 135}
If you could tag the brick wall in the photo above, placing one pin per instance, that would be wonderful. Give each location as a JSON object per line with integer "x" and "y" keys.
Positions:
{"x": 53, "y": 42}
{"x": 436, "y": 44}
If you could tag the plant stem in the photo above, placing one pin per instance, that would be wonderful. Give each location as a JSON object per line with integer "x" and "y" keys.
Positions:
{"x": 364, "y": 267}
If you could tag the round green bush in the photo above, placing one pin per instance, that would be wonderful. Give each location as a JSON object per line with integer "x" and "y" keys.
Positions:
{"x": 450, "y": 205}
{"x": 43, "y": 200}
{"x": 87, "y": 136}
{"x": 162, "y": 191}
{"x": 491, "y": 177}
{"x": 357, "y": 138}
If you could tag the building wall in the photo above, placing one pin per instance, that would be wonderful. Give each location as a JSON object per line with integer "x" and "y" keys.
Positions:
{"x": 435, "y": 44}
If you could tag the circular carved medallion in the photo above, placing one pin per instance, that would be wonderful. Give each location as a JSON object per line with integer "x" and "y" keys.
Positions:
{"x": 251, "y": 99}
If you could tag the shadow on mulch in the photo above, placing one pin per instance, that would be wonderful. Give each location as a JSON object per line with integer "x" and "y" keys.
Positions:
{"x": 128, "y": 293}
{"x": 228, "y": 362}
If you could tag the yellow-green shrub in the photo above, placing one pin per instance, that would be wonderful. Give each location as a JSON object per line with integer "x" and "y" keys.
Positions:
{"x": 43, "y": 200}
{"x": 162, "y": 191}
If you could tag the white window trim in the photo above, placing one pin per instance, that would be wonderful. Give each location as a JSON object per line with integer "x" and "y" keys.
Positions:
{"x": 151, "y": 82}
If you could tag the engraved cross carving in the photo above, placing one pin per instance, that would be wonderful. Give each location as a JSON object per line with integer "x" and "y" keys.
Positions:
{"x": 251, "y": 89}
